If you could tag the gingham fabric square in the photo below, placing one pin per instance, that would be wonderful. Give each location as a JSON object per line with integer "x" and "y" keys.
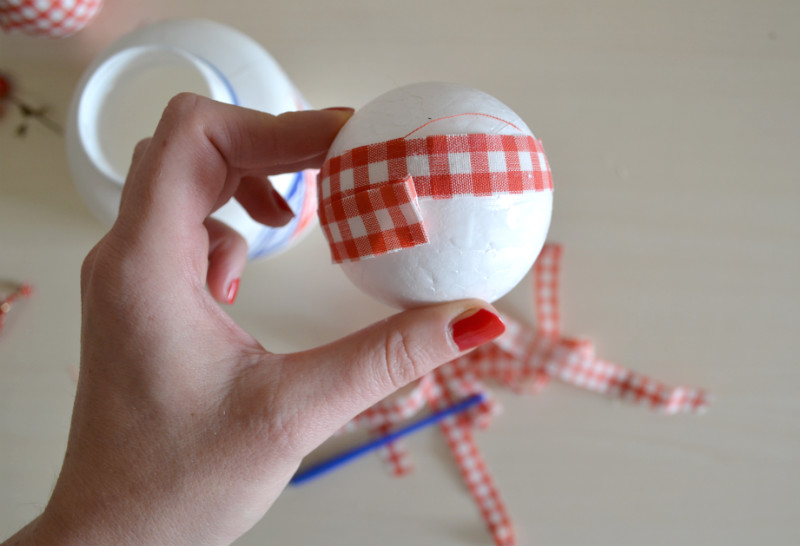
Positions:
{"x": 368, "y": 195}
{"x": 53, "y": 18}
{"x": 373, "y": 221}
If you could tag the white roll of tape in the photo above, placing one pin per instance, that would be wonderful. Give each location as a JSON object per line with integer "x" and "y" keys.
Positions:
{"x": 120, "y": 98}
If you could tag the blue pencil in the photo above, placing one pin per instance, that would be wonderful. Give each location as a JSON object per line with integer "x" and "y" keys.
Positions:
{"x": 344, "y": 458}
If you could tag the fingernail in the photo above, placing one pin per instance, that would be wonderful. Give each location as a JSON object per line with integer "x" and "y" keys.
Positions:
{"x": 476, "y": 328}
{"x": 233, "y": 289}
{"x": 282, "y": 204}
{"x": 339, "y": 109}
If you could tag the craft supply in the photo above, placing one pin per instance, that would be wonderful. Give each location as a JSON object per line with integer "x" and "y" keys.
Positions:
{"x": 348, "y": 456}
{"x": 27, "y": 111}
{"x": 523, "y": 359}
{"x": 435, "y": 192}
{"x": 121, "y": 96}
{"x": 51, "y": 18}
{"x": 24, "y": 290}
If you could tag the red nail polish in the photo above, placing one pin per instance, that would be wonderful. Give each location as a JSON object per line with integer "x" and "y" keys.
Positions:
{"x": 339, "y": 109}
{"x": 233, "y": 289}
{"x": 281, "y": 202}
{"x": 477, "y": 329}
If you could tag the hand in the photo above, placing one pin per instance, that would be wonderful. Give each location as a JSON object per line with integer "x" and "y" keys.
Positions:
{"x": 185, "y": 429}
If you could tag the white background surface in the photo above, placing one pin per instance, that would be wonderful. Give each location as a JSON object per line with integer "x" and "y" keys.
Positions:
{"x": 672, "y": 130}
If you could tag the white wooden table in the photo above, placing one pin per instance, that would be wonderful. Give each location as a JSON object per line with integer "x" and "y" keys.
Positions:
{"x": 673, "y": 132}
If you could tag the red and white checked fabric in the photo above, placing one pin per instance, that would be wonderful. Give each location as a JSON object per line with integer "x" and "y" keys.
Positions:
{"x": 369, "y": 195}
{"x": 456, "y": 384}
{"x": 523, "y": 359}
{"x": 52, "y": 18}
{"x": 545, "y": 286}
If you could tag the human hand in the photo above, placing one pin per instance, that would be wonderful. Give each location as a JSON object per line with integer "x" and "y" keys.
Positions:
{"x": 185, "y": 429}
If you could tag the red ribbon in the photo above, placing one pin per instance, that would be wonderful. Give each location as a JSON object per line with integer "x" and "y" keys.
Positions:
{"x": 524, "y": 359}
{"x": 369, "y": 195}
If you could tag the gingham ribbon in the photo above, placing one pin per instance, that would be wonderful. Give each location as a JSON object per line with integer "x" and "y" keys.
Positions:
{"x": 53, "y": 18}
{"x": 523, "y": 359}
{"x": 369, "y": 195}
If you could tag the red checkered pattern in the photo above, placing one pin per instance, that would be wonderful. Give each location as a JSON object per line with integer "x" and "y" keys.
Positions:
{"x": 369, "y": 195}
{"x": 545, "y": 286}
{"x": 395, "y": 455}
{"x": 373, "y": 221}
{"x": 574, "y": 362}
{"x": 382, "y": 418}
{"x": 395, "y": 410}
{"x": 523, "y": 359}
{"x": 52, "y": 18}
{"x": 470, "y": 462}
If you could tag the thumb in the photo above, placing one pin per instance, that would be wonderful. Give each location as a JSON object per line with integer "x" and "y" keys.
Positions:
{"x": 344, "y": 378}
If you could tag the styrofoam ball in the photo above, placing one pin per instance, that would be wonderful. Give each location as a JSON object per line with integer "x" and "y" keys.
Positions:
{"x": 479, "y": 246}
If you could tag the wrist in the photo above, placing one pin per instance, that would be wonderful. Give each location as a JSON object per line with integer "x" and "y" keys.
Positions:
{"x": 67, "y": 520}
{"x": 36, "y": 533}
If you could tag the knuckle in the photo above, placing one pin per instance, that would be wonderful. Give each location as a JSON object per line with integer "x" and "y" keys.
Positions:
{"x": 87, "y": 268}
{"x": 94, "y": 270}
{"x": 182, "y": 104}
{"x": 184, "y": 111}
{"x": 141, "y": 146}
{"x": 402, "y": 362}
{"x": 139, "y": 151}
{"x": 192, "y": 118}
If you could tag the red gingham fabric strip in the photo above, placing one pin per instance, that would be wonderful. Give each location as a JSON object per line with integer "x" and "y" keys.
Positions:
{"x": 368, "y": 207}
{"x": 546, "y": 274}
{"x": 520, "y": 359}
{"x": 52, "y": 18}
{"x": 394, "y": 411}
{"x": 470, "y": 462}
{"x": 574, "y": 362}
{"x": 395, "y": 455}
{"x": 479, "y": 480}
{"x": 374, "y": 221}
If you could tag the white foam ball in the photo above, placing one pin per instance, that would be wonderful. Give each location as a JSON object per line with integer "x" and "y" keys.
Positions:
{"x": 478, "y": 247}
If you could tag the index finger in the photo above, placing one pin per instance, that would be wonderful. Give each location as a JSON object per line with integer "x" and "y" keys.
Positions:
{"x": 198, "y": 143}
